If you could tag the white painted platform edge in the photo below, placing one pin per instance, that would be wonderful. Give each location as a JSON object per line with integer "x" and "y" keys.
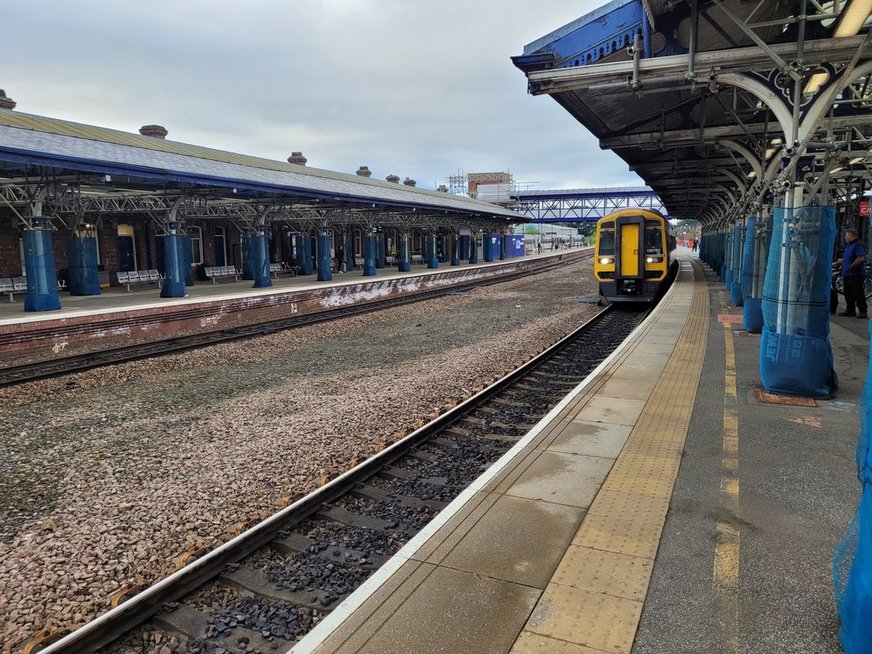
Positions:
{"x": 334, "y": 620}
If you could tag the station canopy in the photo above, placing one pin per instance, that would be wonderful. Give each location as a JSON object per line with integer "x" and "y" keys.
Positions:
{"x": 717, "y": 104}
{"x": 75, "y": 172}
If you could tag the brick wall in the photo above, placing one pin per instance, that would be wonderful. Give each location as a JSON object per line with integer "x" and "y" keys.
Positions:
{"x": 58, "y": 337}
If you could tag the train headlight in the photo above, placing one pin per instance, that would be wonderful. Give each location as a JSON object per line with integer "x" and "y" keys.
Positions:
{"x": 606, "y": 260}
{"x": 653, "y": 259}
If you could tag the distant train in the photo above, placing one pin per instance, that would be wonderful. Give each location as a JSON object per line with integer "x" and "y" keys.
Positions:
{"x": 634, "y": 255}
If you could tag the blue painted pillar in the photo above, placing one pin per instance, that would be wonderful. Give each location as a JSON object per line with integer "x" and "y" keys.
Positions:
{"x": 174, "y": 279}
{"x": 349, "y": 251}
{"x": 473, "y": 249}
{"x": 324, "y": 263}
{"x": 82, "y": 265}
{"x": 259, "y": 253}
{"x": 39, "y": 264}
{"x": 369, "y": 255}
{"x": 432, "y": 259}
{"x": 379, "y": 250}
{"x": 404, "y": 263}
{"x": 455, "y": 250}
{"x": 503, "y": 250}
{"x": 487, "y": 244}
{"x": 306, "y": 251}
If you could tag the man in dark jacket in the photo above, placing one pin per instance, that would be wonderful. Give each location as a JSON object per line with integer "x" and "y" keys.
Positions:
{"x": 853, "y": 264}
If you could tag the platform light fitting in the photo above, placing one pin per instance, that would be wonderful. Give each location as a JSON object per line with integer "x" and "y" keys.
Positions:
{"x": 855, "y": 160}
{"x": 752, "y": 174}
{"x": 853, "y": 17}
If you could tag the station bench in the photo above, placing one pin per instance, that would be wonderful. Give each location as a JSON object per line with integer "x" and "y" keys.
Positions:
{"x": 215, "y": 273}
{"x": 277, "y": 268}
{"x": 390, "y": 260}
{"x": 132, "y": 277}
{"x": 13, "y": 286}
{"x": 417, "y": 258}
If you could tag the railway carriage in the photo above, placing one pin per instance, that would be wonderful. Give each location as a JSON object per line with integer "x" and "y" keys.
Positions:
{"x": 634, "y": 255}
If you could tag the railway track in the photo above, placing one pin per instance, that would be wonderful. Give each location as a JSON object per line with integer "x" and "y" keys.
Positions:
{"x": 266, "y": 588}
{"x": 58, "y": 367}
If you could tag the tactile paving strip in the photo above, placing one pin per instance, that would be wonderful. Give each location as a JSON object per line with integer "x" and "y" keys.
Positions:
{"x": 596, "y": 595}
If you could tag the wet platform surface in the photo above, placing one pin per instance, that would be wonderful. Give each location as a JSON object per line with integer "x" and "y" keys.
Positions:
{"x": 663, "y": 506}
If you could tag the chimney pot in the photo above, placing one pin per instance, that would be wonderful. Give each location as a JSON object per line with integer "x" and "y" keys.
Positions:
{"x": 297, "y": 158}
{"x": 155, "y": 131}
{"x": 409, "y": 181}
{"x": 6, "y": 103}
{"x": 393, "y": 178}
{"x": 364, "y": 171}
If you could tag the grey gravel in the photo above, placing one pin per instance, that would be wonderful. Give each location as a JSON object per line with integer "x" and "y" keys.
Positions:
{"x": 107, "y": 476}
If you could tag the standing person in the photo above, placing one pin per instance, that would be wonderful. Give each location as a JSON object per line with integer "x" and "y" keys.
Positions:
{"x": 853, "y": 264}
{"x": 693, "y": 245}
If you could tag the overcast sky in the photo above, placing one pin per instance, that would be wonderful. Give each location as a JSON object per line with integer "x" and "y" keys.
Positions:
{"x": 413, "y": 87}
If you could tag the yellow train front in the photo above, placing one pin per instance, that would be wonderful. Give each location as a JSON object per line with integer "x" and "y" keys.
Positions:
{"x": 634, "y": 253}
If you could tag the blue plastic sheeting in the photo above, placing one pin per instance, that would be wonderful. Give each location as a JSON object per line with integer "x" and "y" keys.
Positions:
{"x": 852, "y": 560}
{"x": 432, "y": 254}
{"x": 307, "y": 265}
{"x": 516, "y": 245}
{"x": 503, "y": 253}
{"x": 455, "y": 251}
{"x": 258, "y": 255}
{"x": 325, "y": 274}
{"x": 42, "y": 281}
{"x": 82, "y": 265}
{"x": 348, "y": 246}
{"x": 405, "y": 259}
{"x": 487, "y": 246}
{"x": 473, "y": 250}
{"x": 736, "y": 284}
{"x": 754, "y": 272}
{"x": 369, "y": 256}
{"x": 795, "y": 353}
{"x": 174, "y": 280}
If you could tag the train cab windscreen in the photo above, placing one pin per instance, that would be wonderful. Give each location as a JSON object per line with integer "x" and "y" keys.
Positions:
{"x": 607, "y": 240}
{"x": 653, "y": 237}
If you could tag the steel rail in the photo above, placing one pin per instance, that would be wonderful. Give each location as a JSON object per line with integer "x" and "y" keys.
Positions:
{"x": 87, "y": 361}
{"x": 123, "y": 618}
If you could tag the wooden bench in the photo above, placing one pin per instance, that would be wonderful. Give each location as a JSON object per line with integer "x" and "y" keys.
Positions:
{"x": 221, "y": 272}
{"x": 132, "y": 277}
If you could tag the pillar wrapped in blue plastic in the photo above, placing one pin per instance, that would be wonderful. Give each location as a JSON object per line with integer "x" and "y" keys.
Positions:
{"x": 754, "y": 272}
{"x": 174, "y": 279}
{"x": 307, "y": 267}
{"x": 503, "y": 249}
{"x": 405, "y": 259}
{"x": 380, "y": 250}
{"x": 473, "y": 249}
{"x": 795, "y": 353}
{"x": 39, "y": 264}
{"x": 432, "y": 254}
{"x": 852, "y": 559}
{"x": 727, "y": 276}
{"x": 349, "y": 251}
{"x": 258, "y": 255}
{"x": 325, "y": 274}
{"x": 82, "y": 265}
{"x": 737, "y": 251}
{"x": 369, "y": 256}
{"x": 455, "y": 250}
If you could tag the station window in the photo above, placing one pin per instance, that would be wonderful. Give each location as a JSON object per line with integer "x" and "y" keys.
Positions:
{"x": 196, "y": 235}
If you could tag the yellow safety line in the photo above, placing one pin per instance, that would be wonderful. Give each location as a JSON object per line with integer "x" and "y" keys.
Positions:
{"x": 596, "y": 596}
{"x": 725, "y": 575}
